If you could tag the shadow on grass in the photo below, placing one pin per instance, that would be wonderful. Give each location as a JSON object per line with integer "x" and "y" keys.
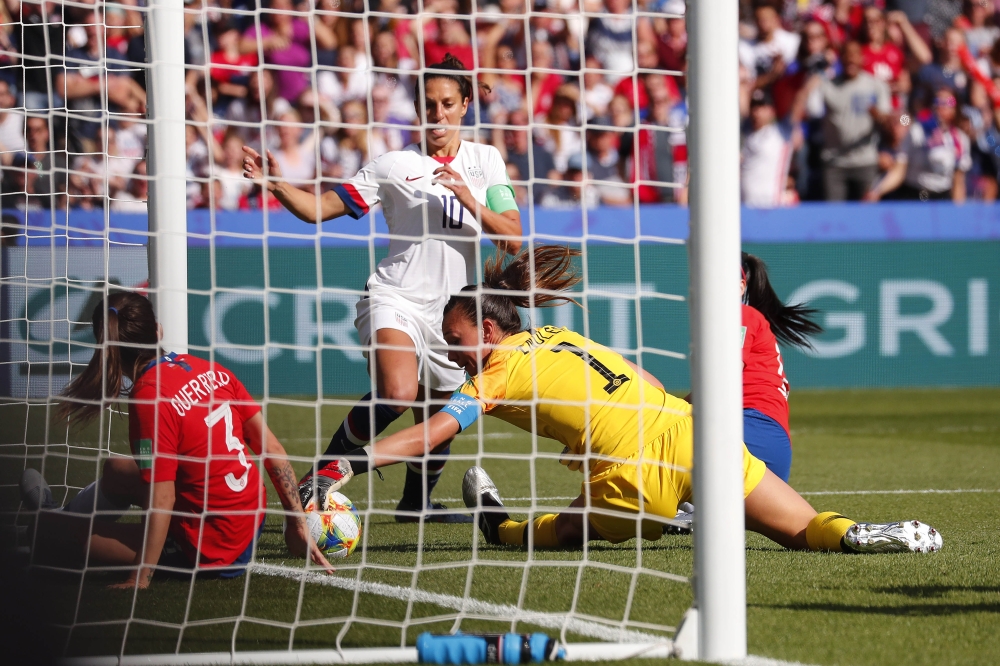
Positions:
{"x": 935, "y": 591}
{"x": 904, "y": 610}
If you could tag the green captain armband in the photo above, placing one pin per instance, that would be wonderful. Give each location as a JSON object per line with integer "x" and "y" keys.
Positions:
{"x": 500, "y": 198}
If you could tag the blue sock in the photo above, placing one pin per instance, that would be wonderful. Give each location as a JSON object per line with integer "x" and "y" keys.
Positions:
{"x": 358, "y": 430}
{"x": 413, "y": 491}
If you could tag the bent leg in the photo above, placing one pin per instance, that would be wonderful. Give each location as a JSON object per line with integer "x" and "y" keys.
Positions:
{"x": 394, "y": 367}
{"x": 550, "y": 530}
{"x": 415, "y": 494}
{"x": 775, "y": 510}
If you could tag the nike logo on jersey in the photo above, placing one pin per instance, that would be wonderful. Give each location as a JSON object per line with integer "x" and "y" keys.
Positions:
{"x": 414, "y": 178}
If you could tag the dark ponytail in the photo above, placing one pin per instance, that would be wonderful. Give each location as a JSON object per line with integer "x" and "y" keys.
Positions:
{"x": 131, "y": 343}
{"x": 453, "y": 69}
{"x": 532, "y": 278}
{"x": 791, "y": 324}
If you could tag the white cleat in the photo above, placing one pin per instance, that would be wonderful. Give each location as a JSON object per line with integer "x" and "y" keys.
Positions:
{"x": 910, "y": 536}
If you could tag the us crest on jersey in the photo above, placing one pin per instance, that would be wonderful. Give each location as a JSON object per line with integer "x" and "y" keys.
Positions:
{"x": 476, "y": 177}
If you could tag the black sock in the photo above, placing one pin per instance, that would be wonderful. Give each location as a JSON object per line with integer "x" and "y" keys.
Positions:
{"x": 357, "y": 431}
{"x": 414, "y": 494}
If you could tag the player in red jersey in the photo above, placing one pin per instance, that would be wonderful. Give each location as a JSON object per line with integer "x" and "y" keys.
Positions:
{"x": 766, "y": 320}
{"x": 190, "y": 423}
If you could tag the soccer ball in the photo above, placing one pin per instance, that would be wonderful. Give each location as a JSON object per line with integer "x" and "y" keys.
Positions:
{"x": 336, "y": 530}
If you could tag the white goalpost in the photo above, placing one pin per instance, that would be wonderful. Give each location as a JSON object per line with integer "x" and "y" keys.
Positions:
{"x": 273, "y": 299}
{"x": 168, "y": 239}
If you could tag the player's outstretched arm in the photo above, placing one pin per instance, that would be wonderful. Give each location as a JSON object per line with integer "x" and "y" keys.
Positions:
{"x": 414, "y": 441}
{"x": 304, "y": 205}
{"x": 158, "y": 524}
{"x": 283, "y": 477}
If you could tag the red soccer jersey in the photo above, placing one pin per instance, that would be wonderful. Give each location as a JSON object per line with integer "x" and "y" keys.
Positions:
{"x": 765, "y": 387}
{"x": 885, "y": 64}
{"x": 186, "y": 419}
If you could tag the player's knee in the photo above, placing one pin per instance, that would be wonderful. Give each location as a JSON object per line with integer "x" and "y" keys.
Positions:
{"x": 401, "y": 393}
{"x": 569, "y": 529}
{"x": 119, "y": 475}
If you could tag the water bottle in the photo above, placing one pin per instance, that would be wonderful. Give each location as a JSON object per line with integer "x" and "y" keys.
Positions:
{"x": 487, "y": 648}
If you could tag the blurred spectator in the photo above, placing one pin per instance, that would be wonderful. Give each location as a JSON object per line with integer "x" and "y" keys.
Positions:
{"x": 946, "y": 71}
{"x": 941, "y": 15}
{"x": 134, "y": 198}
{"x": 569, "y": 195}
{"x": 231, "y": 66}
{"x": 543, "y": 84}
{"x": 394, "y": 137}
{"x": 671, "y": 36}
{"x": 295, "y": 152}
{"x": 977, "y": 23}
{"x": 597, "y": 93}
{"x": 350, "y": 81}
{"x": 856, "y": 102}
{"x": 248, "y": 116}
{"x": 978, "y": 120}
{"x": 353, "y": 144}
{"x": 530, "y": 159}
{"x": 45, "y": 178}
{"x": 284, "y": 41}
{"x": 603, "y": 164}
{"x": 444, "y": 35}
{"x": 508, "y": 84}
{"x": 564, "y": 33}
{"x": 385, "y": 54}
{"x": 80, "y": 83}
{"x": 883, "y": 59}
{"x": 609, "y": 38}
{"x": 11, "y": 125}
{"x": 562, "y": 136}
{"x": 766, "y": 56}
{"x": 41, "y": 42}
{"x": 932, "y": 160}
{"x": 229, "y": 173}
{"x": 765, "y": 157}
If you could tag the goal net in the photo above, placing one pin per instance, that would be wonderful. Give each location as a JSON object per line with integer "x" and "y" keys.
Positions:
{"x": 586, "y": 104}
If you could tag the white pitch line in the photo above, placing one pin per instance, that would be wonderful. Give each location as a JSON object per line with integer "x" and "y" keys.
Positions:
{"x": 469, "y": 606}
{"x": 927, "y": 491}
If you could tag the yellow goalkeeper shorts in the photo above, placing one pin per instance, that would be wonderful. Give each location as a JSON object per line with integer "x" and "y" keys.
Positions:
{"x": 618, "y": 494}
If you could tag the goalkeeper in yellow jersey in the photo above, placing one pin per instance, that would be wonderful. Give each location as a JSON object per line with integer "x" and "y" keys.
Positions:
{"x": 632, "y": 440}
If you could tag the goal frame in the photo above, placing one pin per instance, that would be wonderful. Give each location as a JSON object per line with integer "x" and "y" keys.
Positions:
{"x": 715, "y": 628}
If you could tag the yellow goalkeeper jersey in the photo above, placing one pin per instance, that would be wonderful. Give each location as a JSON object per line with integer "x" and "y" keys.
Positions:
{"x": 582, "y": 393}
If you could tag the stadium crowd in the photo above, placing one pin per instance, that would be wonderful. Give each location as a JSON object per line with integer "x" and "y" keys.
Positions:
{"x": 841, "y": 99}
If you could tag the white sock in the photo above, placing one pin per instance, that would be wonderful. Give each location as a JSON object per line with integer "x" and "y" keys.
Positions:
{"x": 84, "y": 502}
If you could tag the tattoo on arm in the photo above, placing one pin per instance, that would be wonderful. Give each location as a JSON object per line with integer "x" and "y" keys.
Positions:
{"x": 283, "y": 478}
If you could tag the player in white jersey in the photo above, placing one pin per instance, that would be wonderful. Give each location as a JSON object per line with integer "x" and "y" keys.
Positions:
{"x": 438, "y": 201}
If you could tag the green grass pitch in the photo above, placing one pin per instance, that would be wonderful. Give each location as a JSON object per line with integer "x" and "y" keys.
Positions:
{"x": 806, "y": 607}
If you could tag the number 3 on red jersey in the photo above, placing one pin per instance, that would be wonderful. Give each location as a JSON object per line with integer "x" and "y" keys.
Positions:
{"x": 224, "y": 411}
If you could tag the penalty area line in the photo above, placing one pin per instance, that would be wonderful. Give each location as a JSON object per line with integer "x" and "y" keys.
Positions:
{"x": 469, "y": 606}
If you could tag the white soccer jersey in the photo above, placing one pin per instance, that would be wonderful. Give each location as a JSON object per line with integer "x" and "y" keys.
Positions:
{"x": 433, "y": 238}
{"x": 766, "y": 157}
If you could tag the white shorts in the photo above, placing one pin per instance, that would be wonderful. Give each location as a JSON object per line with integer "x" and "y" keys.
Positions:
{"x": 436, "y": 372}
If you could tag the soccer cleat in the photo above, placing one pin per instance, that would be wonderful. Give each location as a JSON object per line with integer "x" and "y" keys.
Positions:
{"x": 479, "y": 492}
{"x": 683, "y": 522}
{"x": 313, "y": 490}
{"x": 912, "y": 536}
{"x": 35, "y": 492}
{"x": 434, "y": 512}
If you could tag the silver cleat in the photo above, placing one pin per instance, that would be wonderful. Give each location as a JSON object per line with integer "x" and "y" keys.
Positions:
{"x": 481, "y": 494}
{"x": 478, "y": 484}
{"x": 910, "y": 536}
{"x": 35, "y": 492}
